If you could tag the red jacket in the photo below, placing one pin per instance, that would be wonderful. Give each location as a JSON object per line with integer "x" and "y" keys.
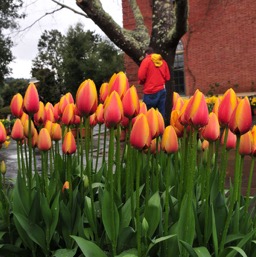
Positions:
{"x": 153, "y": 73}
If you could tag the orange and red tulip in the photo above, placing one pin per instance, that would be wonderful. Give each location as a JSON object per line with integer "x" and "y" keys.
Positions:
{"x": 23, "y": 118}
{"x": 69, "y": 98}
{"x": 69, "y": 143}
{"x": 44, "y": 142}
{"x": 153, "y": 149}
{"x": 64, "y": 101}
{"x": 17, "y": 133}
{"x": 93, "y": 120}
{"x": 253, "y": 130}
{"x": 68, "y": 115}
{"x": 178, "y": 102}
{"x": 100, "y": 114}
{"x": 35, "y": 138}
{"x": 175, "y": 122}
{"x": 143, "y": 108}
{"x": 31, "y": 100}
{"x": 131, "y": 103}
{"x": 152, "y": 118}
{"x": 56, "y": 112}
{"x": 161, "y": 125}
{"x": 113, "y": 110}
{"x": 17, "y": 105}
{"x": 140, "y": 137}
{"x": 241, "y": 119}
{"x": 3, "y": 134}
{"x": 26, "y": 128}
{"x": 103, "y": 92}
{"x": 119, "y": 83}
{"x": 86, "y": 98}
{"x": 39, "y": 117}
{"x": 65, "y": 186}
{"x": 169, "y": 142}
{"x": 205, "y": 145}
{"x": 211, "y": 131}
{"x": 56, "y": 133}
{"x": 227, "y": 105}
{"x": 231, "y": 140}
{"x": 246, "y": 142}
{"x": 48, "y": 126}
{"x": 197, "y": 111}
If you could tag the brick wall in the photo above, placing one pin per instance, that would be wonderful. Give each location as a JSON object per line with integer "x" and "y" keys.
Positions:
{"x": 219, "y": 47}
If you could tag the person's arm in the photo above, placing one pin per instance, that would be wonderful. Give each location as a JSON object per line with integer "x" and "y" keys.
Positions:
{"x": 167, "y": 72}
{"x": 142, "y": 72}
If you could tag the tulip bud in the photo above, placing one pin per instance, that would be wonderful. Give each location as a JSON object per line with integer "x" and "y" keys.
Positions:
{"x": 3, "y": 167}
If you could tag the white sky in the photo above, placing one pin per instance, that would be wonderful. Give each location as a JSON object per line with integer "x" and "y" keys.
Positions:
{"x": 25, "y": 49}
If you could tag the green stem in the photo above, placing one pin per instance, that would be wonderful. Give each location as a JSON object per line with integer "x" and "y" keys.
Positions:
{"x": 138, "y": 225}
{"x": 111, "y": 186}
{"x": 98, "y": 148}
{"x": 118, "y": 162}
{"x": 248, "y": 192}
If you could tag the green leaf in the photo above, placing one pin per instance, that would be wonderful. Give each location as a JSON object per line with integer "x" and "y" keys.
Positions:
{"x": 55, "y": 209}
{"x": 239, "y": 250}
{"x": 45, "y": 210}
{"x": 153, "y": 213}
{"x": 89, "y": 248}
{"x": 65, "y": 253}
{"x": 126, "y": 211}
{"x": 202, "y": 252}
{"x": 34, "y": 232}
{"x": 214, "y": 234}
{"x": 88, "y": 212}
{"x": 186, "y": 223}
{"x": 158, "y": 240}
{"x": 128, "y": 253}
{"x": 189, "y": 248}
{"x": 111, "y": 231}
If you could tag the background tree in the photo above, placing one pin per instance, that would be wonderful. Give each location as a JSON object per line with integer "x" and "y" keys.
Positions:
{"x": 8, "y": 21}
{"x": 169, "y": 24}
{"x": 65, "y": 61}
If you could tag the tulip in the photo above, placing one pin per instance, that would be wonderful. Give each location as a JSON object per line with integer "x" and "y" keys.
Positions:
{"x": 184, "y": 119}
{"x": 215, "y": 108}
{"x": 175, "y": 122}
{"x": 100, "y": 114}
{"x": 113, "y": 110}
{"x": 253, "y": 130}
{"x": 205, "y": 145}
{"x": 3, "y": 135}
{"x": 169, "y": 142}
{"x": 178, "y": 102}
{"x": 44, "y": 140}
{"x": 39, "y": 117}
{"x": 64, "y": 101}
{"x": 31, "y": 100}
{"x": 23, "y": 118}
{"x": 3, "y": 167}
{"x": 241, "y": 119}
{"x": 161, "y": 125}
{"x": 48, "y": 126}
{"x": 86, "y": 98}
{"x": 231, "y": 140}
{"x": 103, "y": 92}
{"x": 140, "y": 137}
{"x": 120, "y": 84}
{"x": 197, "y": 111}
{"x": 17, "y": 130}
{"x": 26, "y": 128}
{"x": 34, "y": 138}
{"x": 246, "y": 142}
{"x": 68, "y": 115}
{"x": 211, "y": 131}
{"x": 131, "y": 103}
{"x": 17, "y": 105}
{"x": 153, "y": 148}
{"x": 56, "y": 133}
{"x": 69, "y": 97}
{"x": 56, "y": 112}
{"x": 125, "y": 122}
{"x": 153, "y": 122}
{"x": 143, "y": 108}
{"x": 69, "y": 144}
{"x": 65, "y": 186}
{"x": 93, "y": 120}
{"x": 227, "y": 106}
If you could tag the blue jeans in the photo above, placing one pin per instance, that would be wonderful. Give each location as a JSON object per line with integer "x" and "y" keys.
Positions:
{"x": 156, "y": 100}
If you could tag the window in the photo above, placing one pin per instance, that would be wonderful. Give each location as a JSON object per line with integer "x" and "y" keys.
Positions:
{"x": 178, "y": 70}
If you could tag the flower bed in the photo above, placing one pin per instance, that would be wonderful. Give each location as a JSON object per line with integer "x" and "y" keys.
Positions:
{"x": 162, "y": 194}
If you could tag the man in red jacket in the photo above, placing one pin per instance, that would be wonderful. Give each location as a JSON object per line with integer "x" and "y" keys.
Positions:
{"x": 153, "y": 73}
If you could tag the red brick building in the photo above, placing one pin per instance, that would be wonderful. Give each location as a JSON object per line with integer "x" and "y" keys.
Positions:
{"x": 217, "y": 52}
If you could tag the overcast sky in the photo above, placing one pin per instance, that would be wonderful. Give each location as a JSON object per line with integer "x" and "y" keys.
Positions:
{"x": 26, "y": 41}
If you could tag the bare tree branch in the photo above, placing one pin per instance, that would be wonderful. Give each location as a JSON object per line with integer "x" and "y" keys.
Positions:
{"x": 69, "y": 8}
